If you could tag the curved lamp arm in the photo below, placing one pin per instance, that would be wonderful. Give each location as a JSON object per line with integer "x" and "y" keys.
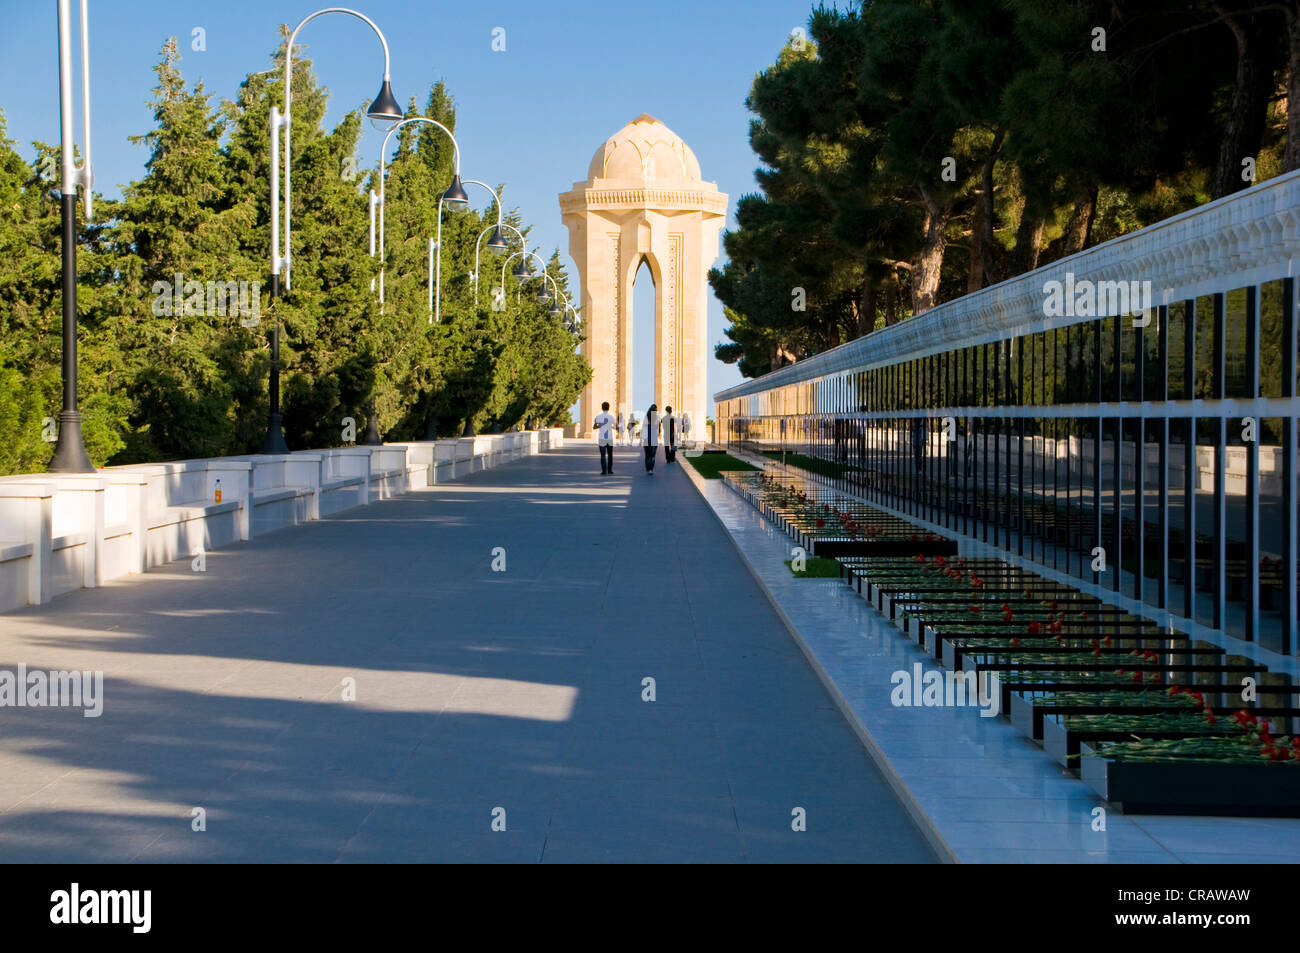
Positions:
{"x": 513, "y": 254}
{"x": 491, "y": 191}
{"x": 278, "y": 262}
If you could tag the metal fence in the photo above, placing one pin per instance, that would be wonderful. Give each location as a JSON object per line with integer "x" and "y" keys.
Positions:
{"x": 1127, "y": 416}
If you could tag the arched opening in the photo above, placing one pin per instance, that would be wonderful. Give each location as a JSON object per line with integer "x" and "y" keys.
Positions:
{"x": 643, "y": 341}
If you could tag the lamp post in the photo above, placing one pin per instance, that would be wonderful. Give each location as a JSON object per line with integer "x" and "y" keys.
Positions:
{"x": 455, "y": 193}
{"x": 384, "y": 109}
{"x": 497, "y": 248}
{"x": 543, "y": 295}
{"x": 497, "y": 243}
{"x": 70, "y": 453}
{"x": 520, "y": 271}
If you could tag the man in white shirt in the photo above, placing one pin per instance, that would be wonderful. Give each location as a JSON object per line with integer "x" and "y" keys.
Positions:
{"x": 604, "y": 424}
{"x": 672, "y": 431}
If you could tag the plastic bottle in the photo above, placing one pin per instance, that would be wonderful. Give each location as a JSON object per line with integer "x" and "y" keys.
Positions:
{"x": 217, "y": 491}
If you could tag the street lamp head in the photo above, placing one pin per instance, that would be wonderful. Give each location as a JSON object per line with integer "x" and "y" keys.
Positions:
{"x": 385, "y": 107}
{"x": 544, "y": 295}
{"x": 521, "y": 270}
{"x": 455, "y": 194}
{"x": 497, "y": 243}
{"x": 555, "y": 309}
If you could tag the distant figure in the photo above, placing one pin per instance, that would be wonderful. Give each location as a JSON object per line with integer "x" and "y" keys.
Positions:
{"x": 618, "y": 428}
{"x": 631, "y": 429}
{"x": 650, "y": 437}
{"x": 672, "y": 430}
{"x": 604, "y": 424}
{"x": 919, "y": 437}
{"x": 686, "y": 427}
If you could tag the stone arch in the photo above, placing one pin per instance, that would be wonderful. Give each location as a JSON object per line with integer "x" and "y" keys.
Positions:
{"x": 628, "y": 211}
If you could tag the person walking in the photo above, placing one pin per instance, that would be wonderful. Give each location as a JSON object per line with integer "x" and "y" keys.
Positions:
{"x": 672, "y": 429}
{"x": 686, "y": 428}
{"x": 650, "y": 437}
{"x": 631, "y": 430}
{"x": 618, "y": 429}
{"x": 604, "y": 424}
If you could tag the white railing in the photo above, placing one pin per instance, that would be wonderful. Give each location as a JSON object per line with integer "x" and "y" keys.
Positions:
{"x": 60, "y": 532}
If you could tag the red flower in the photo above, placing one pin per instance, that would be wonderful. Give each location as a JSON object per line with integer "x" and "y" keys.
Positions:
{"x": 1175, "y": 689}
{"x": 974, "y": 608}
{"x": 1209, "y": 717}
{"x": 1015, "y": 642}
{"x": 821, "y": 523}
{"x": 1028, "y": 595}
{"x": 1108, "y": 641}
{"x": 1034, "y": 628}
{"x": 1137, "y": 677}
{"x": 1243, "y": 717}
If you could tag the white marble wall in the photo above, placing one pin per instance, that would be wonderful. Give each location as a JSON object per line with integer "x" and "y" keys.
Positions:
{"x": 60, "y": 532}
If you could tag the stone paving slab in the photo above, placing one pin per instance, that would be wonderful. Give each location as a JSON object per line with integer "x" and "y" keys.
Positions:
{"x": 474, "y": 690}
{"x": 980, "y": 790}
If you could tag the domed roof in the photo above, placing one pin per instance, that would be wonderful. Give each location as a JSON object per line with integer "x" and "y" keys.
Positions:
{"x": 645, "y": 149}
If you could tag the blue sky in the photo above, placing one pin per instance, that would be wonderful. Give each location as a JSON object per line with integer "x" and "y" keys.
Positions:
{"x": 571, "y": 75}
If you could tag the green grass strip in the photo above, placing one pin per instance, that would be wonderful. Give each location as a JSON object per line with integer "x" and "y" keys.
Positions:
{"x": 711, "y": 465}
{"x": 817, "y": 567}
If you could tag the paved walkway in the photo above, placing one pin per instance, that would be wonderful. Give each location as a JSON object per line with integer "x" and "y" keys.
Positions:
{"x": 475, "y": 690}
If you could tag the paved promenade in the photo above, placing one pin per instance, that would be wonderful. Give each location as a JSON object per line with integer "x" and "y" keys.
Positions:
{"x": 475, "y": 690}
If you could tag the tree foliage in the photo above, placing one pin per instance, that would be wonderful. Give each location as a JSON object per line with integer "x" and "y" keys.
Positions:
{"x": 916, "y": 150}
{"x": 163, "y": 378}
